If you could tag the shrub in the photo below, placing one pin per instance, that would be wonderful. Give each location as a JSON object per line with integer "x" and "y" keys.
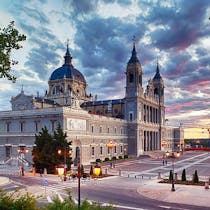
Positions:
{"x": 98, "y": 160}
{"x": 125, "y": 156}
{"x": 91, "y": 170}
{"x": 17, "y": 201}
{"x": 106, "y": 159}
{"x": 195, "y": 177}
{"x": 114, "y": 158}
{"x": 120, "y": 157}
{"x": 184, "y": 175}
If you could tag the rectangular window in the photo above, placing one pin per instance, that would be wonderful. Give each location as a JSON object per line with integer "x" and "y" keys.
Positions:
{"x": 115, "y": 149}
{"x": 36, "y": 126}
{"x": 21, "y": 126}
{"x": 108, "y": 151}
{"x": 53, "y": 124}
{"x": 92, "y": 128}
{"x": 8, "y": 126}
{"x": 115, "y": 130}
{"x": 107, "y": 130}
{"x": 121, "y": 149}
{"x": 101, "y": 150}
{"x": 100, "y": 131}
{"x": 92, "y": 151}
{"x": 8, "y": 151}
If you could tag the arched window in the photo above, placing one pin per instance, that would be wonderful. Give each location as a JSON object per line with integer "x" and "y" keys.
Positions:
{"x": 131, "y": 78}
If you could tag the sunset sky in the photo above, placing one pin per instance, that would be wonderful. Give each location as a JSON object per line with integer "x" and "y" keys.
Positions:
{"x": 100, "y": 32}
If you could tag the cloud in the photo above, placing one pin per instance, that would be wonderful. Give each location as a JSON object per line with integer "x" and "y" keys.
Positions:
{"x": 182, "y": 23}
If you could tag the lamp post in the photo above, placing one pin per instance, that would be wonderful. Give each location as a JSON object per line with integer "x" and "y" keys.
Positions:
{"x": 110, "y": 146}
{"x": 173, "y": 156}
{"x": 65, "y": 153}
{"x": 79, "y": 176}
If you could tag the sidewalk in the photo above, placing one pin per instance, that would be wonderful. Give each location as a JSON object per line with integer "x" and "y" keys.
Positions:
{"x": 4, "y": 180}
{"x": 185, "y": 194}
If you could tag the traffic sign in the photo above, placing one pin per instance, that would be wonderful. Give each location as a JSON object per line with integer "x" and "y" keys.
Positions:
{"x": 45, "y": 182}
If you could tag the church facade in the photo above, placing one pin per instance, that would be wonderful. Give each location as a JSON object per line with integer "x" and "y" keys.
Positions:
{"x": 134, "y": 124}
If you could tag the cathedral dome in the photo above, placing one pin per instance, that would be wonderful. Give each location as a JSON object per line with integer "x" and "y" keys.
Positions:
{"x": 67, "y": 70}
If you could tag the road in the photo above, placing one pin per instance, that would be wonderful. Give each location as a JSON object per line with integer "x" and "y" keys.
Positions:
{"x": 120, "y": 190}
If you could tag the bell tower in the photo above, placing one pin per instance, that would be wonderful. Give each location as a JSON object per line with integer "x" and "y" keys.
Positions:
{"x": 134, "y": 88}
{"x": 133, "y": 75}
{"x": 133, "y": 104}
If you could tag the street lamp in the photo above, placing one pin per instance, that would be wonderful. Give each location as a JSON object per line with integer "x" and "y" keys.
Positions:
{"x": 110, "y": 146}
{"x": 65, "y": 153}
{"x": 173, "y": 156}
{"x": 78, "y": 175}
{"x": 97, "y": 170}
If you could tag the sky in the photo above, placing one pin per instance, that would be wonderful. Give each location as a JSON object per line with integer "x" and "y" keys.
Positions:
{"x": 100, "y": 32}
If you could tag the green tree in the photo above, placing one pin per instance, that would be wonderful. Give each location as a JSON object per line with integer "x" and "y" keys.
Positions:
{"x": 171, "y": 176}
{"x": 60, "y": 143}
{"x": 9, "y": 40}
{"x": 195, "y": 177}
{"x": 45, "y": 153}
{"x": 184, "y": 175}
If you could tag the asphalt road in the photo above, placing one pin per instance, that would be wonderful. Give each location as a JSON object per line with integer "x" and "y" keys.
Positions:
{"x": 121, "y": 191}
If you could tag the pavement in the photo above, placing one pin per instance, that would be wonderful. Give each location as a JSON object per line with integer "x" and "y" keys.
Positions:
{"x": 185, "y": 194}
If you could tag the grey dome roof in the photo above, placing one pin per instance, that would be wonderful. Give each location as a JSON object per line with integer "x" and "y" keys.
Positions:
{"x": 67, "y": 70}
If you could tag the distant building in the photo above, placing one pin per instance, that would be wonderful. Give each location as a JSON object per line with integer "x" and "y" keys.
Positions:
{"x": 135, "y": 123}
{"x": 174, "y": 139}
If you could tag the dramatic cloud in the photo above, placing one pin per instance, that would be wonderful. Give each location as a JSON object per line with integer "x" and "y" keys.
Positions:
{"x": 176, "y": 33}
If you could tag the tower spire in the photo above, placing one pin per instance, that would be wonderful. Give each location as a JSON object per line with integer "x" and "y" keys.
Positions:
{"x": 134, "y": 42}
{"x": 157, "y": 74}
{"x": 134, "y": 58}
{"x": 67, "y": 56}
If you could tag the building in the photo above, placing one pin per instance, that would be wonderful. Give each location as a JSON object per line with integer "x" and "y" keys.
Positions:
{"x": 135, "y": 123}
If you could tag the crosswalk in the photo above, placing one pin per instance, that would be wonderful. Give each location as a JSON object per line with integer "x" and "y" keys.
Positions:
{"x": 153, "y": 173}
{"x": 60, "y": 196}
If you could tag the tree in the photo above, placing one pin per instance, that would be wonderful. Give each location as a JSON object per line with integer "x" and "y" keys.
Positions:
{"x": 195, "y": 177}
{"x": 45, "y": 153}
{"x": 9, "y": 40}
{"x": 60, "y": 143}
{"x": 184, "y": 175}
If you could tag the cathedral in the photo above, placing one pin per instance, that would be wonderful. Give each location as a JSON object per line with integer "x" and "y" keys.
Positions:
{"x": 134, "y": 125}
